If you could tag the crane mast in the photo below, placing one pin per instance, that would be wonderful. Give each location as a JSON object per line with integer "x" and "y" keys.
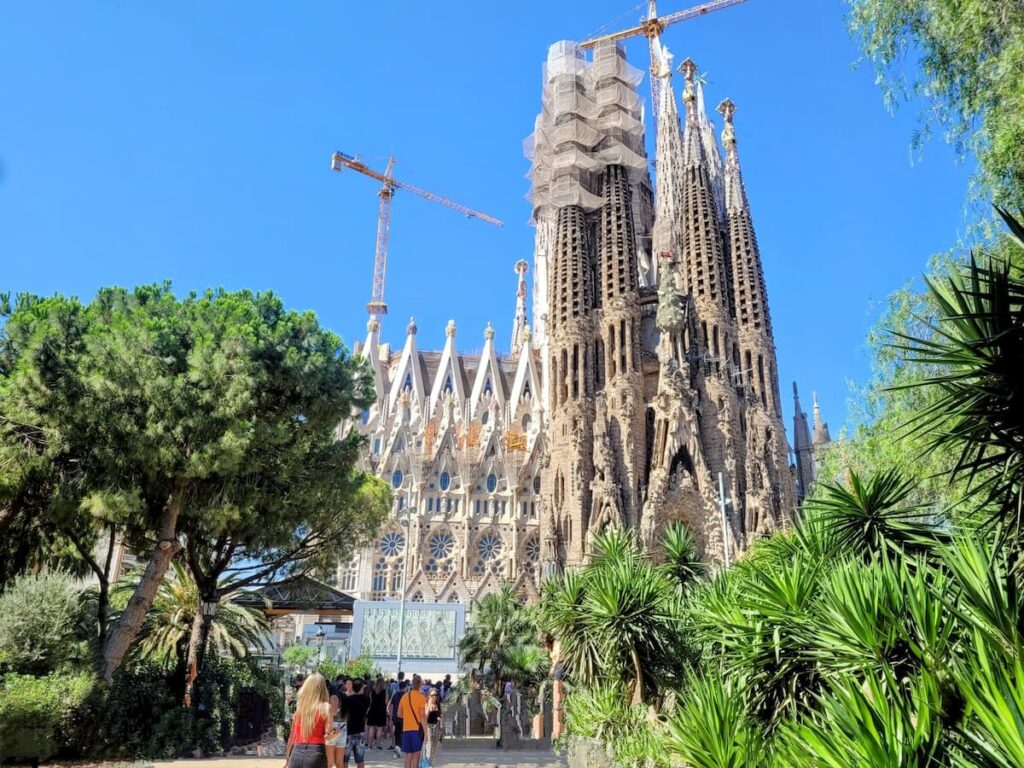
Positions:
{"x": 377, "y": 307}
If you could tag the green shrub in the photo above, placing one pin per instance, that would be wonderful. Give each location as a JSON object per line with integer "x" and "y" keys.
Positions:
{"x": 37, "y": 714}
{"x": 141, "y": 716}
{"x": 40, "y": 619}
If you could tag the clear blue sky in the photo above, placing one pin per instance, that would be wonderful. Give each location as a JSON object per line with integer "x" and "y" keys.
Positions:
{"x": 191, "y": 141}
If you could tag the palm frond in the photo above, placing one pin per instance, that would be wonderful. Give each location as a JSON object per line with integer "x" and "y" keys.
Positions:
{"x": 973, "y": 352}
{"x": 865, "y": 517}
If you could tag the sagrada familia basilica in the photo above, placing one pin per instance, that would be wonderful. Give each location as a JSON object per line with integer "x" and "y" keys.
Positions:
{"x": 641, "y": 388}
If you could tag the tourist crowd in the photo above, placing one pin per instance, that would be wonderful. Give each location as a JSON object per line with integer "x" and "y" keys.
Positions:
{"x": 336, "y": 722}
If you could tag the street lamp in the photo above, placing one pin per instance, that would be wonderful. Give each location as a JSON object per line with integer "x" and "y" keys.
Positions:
{"x": 321, "y": 636}
{"x": 405, "y": 585}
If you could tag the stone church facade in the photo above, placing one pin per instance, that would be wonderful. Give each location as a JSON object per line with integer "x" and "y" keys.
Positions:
{"x": 646, "y": 378}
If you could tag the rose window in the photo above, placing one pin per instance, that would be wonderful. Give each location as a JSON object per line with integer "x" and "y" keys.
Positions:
{"x": 441, "y": 546}
{"x": 489, "y": 547}
{"x": 532, "y": 550}
{"x": 392, "y": 544}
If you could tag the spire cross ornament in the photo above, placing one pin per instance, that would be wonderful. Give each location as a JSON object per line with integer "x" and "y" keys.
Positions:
{"x": 727, "y": 109}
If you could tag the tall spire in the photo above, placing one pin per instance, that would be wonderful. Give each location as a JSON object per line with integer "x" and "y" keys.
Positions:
{"x": 668, "y": 164}
{"x": 802, "y": 447}
{"x": 750, "y": 298}
{"x": 735, "y": 194}
{"x": 519, "y": 322}
{"x": 704, "y": 257}
{"x": 821, "y": 435}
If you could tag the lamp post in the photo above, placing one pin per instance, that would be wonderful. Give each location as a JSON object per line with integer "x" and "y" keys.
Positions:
{"x": 321, "y": 636}
{"x": 405, "y": 585}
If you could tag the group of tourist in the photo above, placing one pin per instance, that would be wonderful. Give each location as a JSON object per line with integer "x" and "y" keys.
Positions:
{"x": 337, "y": 722}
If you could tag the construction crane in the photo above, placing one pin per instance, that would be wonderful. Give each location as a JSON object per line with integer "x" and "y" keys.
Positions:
{"x": 651, "y": 28}
{"x": 339, "y": 162}
{"x": 654, "y": 25}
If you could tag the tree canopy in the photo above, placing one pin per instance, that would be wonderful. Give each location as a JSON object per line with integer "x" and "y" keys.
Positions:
{"x": 209, "y": 422}
{"x": 970, "y": 68}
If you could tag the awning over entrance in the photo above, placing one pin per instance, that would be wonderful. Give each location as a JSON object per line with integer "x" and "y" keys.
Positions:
{"x": 300, "y": 595}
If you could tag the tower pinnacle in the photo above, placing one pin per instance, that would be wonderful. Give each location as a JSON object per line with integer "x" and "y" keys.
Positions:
{"x": 519, "y": 321}
{"x": 821, "y": 434}
{"x": 727, "y": 109}
{"x": 689, "y": 70}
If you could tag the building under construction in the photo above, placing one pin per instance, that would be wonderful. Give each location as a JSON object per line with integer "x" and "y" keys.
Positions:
{"x": 641, "y": 387}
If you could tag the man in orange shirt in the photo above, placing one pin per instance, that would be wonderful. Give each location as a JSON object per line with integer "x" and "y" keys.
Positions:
{"x": 412, "y": 709}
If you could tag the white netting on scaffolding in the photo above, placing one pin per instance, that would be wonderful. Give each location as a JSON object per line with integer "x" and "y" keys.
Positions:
{"x": 591, "y": 117}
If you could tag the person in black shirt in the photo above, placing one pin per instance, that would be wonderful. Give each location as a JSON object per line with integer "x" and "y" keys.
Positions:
{"x": 377, "y": 719}
{"x": 358, "y": 705}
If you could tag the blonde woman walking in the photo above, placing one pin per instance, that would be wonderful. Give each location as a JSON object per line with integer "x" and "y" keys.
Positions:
{"x": 435, "y": 726}
{"x": 311, "y": 726}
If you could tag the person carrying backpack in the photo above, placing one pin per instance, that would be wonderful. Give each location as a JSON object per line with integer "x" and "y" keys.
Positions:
{"x": 396, "y": 719}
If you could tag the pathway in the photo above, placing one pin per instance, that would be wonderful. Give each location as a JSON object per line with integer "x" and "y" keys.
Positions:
{"x": 460, "y": 753}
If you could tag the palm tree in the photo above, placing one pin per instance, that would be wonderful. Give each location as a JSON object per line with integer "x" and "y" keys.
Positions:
{"x": 168, "y": 624}
{"x": 498, "y": 621}
{"x": 865, "y": 516}
{"x": 619, "y": 619}
{"x": 975, "y": 348}
{"x": 680, "y": 549}
{"x": 526, "y": 665}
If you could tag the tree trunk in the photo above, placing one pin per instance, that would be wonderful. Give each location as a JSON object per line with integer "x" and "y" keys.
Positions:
{"x": 102, "y": 610}
{"x": 103, "y": 604}
{"x": 127, "y": 628}
{"x": 197, "y": 640}
{"x": 638, "y": 682}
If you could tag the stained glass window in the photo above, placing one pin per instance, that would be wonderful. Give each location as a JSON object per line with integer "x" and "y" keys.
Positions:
{"x": 489, "y": 546}
{"x": 441, "y": 545}
{"x": 532, "y": 549}
{"x": 392, "y": 544}
{"x": 396, "y": 478}
{"x": 445, "y": 481}
{"x": 492, "y": 482}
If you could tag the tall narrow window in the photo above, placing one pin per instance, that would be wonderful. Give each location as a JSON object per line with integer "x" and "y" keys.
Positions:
{"x": 575, "y": 371}
{"x": 622, "y": 346}
{"x": 760, "y": 380}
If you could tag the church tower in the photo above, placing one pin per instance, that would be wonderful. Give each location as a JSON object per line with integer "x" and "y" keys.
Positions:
{"x": 589, "y": 181}
{"x": 662, "y": 374}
